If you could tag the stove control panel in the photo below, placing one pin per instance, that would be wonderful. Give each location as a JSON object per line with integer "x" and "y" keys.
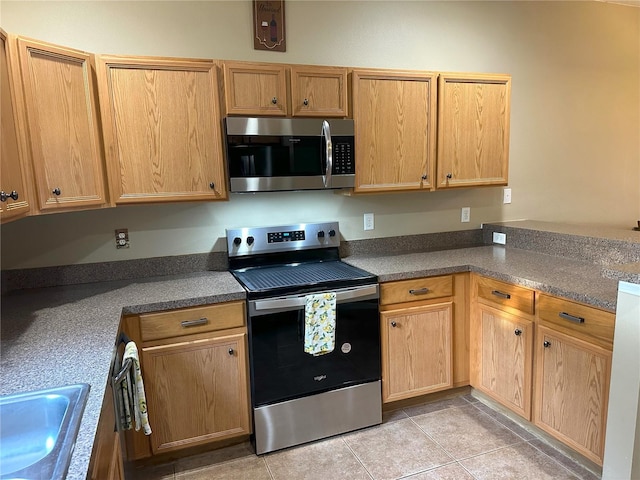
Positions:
{"x": 275, "y": 237}
{"x": 257, "y": 240}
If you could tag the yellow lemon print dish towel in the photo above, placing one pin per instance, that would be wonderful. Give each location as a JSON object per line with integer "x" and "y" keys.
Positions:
{"x": 320, "y": 323}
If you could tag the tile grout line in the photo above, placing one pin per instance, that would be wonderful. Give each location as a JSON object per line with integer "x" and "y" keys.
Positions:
{"x": 571, "y": 472}
{"x": 357, "y": 457}
{"x": 266, "y": 465}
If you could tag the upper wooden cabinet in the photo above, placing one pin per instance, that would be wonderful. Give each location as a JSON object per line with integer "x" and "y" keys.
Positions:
{"x": 394, "y": 114}
{"x": 473, "y": 130}
{"x": 162, "y": 129}
{"x": 62, "y": 120}
{"x": 267, "y": 89}
{"x": 318, "y": 91}
{"x": 14, "y": 202}
{"x": 255, "y": 89}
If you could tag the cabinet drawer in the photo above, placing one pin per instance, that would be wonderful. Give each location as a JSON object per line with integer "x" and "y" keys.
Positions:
{"x": 505, "y": 294}
{"x": 574, "y": 317}
{"x": 174, "y": 323}
{"x": 416, "y": 289}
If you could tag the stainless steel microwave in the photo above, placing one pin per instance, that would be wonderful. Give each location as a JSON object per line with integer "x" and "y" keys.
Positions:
{"x": 279, "y": 154}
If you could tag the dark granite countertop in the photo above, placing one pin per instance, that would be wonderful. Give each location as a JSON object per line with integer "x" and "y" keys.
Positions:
{"x": 572, "y": 279}
{"x": 64, "y": 335}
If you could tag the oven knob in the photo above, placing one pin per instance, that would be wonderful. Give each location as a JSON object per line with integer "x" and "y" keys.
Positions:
{"x": 237, "y": 241}
{"x": 250, "y": 240}
{"x": 321, "y": 234}
{"x": 332, "y": 233}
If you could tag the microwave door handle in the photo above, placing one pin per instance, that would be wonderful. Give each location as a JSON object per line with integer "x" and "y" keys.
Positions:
{"x": 326, "y": 132}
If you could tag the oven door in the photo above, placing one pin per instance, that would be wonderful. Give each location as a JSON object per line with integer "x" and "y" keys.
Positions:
{"x": 281, "y": 370}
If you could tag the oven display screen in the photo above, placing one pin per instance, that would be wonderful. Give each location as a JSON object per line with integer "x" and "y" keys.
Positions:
{"x": 277, "y": 237}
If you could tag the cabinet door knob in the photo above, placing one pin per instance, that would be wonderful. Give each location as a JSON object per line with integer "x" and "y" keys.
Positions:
{"x": 56, "y": 191}
{"x": 212, "y": 186}
{"x": 449, "y": 175}
{"x": 518, "y": 332}
{"x": 394, "y": 324}
{"x": 546, "y": 344}
{"x": 424, "y": 177}
{"x": 274, "y": 100}
{"x": 6, "y": 196}
{"x": 231, "y": 351}
{"x": 305, "y": 102}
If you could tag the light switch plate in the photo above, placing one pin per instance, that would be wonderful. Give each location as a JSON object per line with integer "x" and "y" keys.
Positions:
{"x": 368, "y": 221}
{"x": 506, "y": 195}
{"x": 465, "y": 214}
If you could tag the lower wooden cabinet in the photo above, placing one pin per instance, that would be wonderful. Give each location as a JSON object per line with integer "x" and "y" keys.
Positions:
{"x": 416, "y": 352}
{"x": 572, "y": 391}
{"x": 195, "y": 370}
{"x": 106, "y": 459}
{"x": 196, "y": 391}
{"x": 504, "y": 344}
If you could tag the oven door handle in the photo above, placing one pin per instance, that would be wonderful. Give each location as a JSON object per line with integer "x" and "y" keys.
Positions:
{"x": 297, "y": 301}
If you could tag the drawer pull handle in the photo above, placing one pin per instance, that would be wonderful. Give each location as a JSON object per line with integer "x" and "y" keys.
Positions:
{"x": 546, "y": 344}
{"x": 194, "y": 323}
{"x": 419, "y": 291}
{"x": 500, "y": 294}
{"x": 518, "y": 332}
{"x": 571, "y": 318}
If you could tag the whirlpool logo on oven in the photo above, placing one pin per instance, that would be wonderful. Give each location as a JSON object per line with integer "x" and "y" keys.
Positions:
{"x": 319, "y": 378}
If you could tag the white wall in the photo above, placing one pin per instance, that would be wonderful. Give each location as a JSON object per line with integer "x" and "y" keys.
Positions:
{"x": 575, "y": 123}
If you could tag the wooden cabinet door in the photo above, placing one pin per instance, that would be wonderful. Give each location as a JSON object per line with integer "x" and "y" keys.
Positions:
{"x": 106, "y": 458}
{"x": 162, "y": 128}
{"x": 394, "y": 114}
{"x": 473, "y": 130}
{"x": 61, "y": 107}
{"x": 502, "y": 347}
{"x": 255, "y": 89}
{"x": 196, "y": 391}
{"x": 572, "y": 391}
{"x": 319, "y": 91}
{"x": 14, "y": 199}
{"x": 416, "y": 351}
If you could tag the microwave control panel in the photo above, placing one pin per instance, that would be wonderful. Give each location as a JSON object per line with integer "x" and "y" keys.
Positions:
{"x": 343, "y": 158}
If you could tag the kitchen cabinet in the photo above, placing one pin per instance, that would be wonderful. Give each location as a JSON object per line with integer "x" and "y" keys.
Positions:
{"x": 265, "y": 89}
{"x": 318, "y": 91}
{"x": 416, "y": 333}
{"x": 106, "y": 460}
{"x": 14, "y": 198}
{"x": 473, "y": 129}
{"x": 194, "y": 366}
{"x": 395, "y": 128}
{"x": 502, "y": 342}
{"x": 255, "y": 89}
{"x": 162, "y": 129}
{"x": 62, "y": 119}
{"x": 573, "y": 368}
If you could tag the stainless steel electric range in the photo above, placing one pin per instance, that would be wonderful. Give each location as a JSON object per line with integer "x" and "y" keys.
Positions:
{"x": 296, "y": 396}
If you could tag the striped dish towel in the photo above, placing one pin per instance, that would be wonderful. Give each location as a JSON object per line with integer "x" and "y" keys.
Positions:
{"x": 133, "y": 393}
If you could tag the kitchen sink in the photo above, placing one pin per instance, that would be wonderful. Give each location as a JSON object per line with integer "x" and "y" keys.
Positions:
{"x": 38, "y": 431}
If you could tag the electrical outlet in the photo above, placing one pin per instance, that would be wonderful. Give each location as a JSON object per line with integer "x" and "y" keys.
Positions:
{"x": 122, "y": 238}
{"x": 368, "y": 221}
{"x": 507, "y": 195}
{"x": 500, "y": 238}
{"x": 465, "y": 214}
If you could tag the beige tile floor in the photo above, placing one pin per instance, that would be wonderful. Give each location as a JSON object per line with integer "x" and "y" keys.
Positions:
{"x": 458, "y": 438}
